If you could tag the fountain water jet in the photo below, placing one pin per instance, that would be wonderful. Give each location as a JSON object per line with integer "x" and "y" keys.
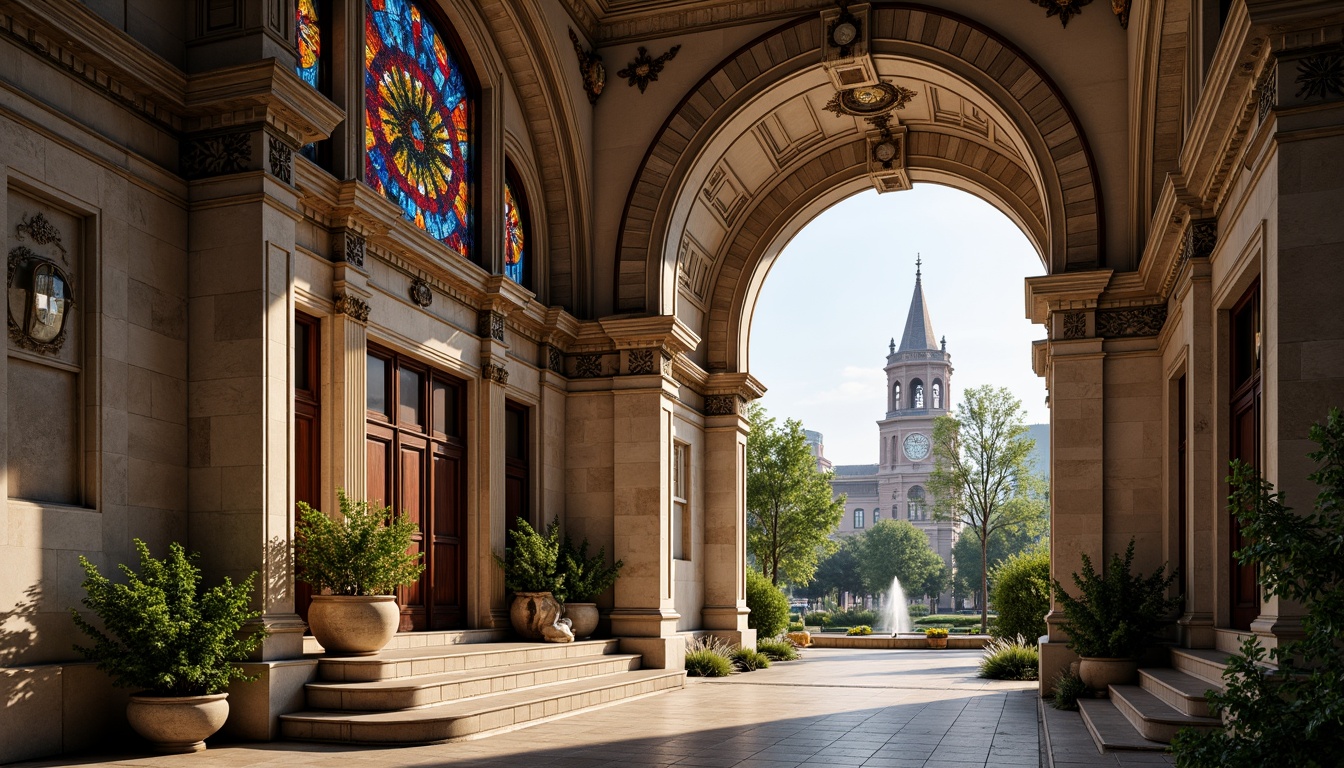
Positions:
{"x": 896, "y": 614}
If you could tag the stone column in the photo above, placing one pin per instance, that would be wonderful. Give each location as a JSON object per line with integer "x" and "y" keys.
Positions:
{"x": 1203, "y": 470}
{"x": 347, "y": 367}
{"x": 1071, "y": 362}
{"x": 488, "y": 608}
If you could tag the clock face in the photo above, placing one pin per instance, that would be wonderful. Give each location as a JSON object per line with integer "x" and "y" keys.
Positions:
{"x": 916, "y": 447}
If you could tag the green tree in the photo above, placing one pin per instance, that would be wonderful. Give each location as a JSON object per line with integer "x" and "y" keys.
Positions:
{"x": 895, "y": 548}
{"x": 837, "y": 573}
{"x": 790, "y": 511}
{"x": 981, "y": 474}
{"x": 1003, "y": 544}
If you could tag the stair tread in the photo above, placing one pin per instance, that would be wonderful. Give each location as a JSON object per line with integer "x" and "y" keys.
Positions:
{"x": 1210, "y": 655}
{"x": 1155, "y": 710}
{"x": 467, "y": 675}
{"x": 467, "y": 649}
{"x": 484, "y": 704}
{"x": 1186, "y": 685}
{"x": 1111, "y": 731}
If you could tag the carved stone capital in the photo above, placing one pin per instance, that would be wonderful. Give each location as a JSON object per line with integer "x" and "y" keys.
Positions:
{"x": 280, "y": 159}
{"x": 640, "y": 362}
{"x": 722, "y": 405}
{"x": 494, "y": 372}
{"x": 1131, "y": 321}
{"x": 217, "y": 155}
{"x": 588, "y": 366}
{"x": 1199, "y": 239}
{"x": 1073, "y": 325}
{"x": 353, "y": 306}
{"x": 490, "y": 324}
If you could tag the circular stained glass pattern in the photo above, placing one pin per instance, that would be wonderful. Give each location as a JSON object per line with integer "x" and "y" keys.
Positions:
{"x": 417, "y": 118}
{"x": 515, "y": 252}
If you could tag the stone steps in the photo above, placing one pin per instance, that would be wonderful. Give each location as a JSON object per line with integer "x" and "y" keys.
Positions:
{"x": 1176, "y": 689}
{"x": 1206, "y": 664}
{"x": 460, "y": 719}
{"x": 1146, "y": 716}
{"x": 423, "y": 693}
{"x": 1111, "y": 731}
{"x": 1153, "y": 718}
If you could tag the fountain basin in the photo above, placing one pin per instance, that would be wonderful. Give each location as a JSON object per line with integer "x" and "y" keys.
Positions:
{"x": 903, "y": 640}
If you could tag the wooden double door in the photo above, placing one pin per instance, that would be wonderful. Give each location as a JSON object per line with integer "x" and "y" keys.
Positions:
{"x": 1245, "y": 338}
{"x": 416, "y": 464}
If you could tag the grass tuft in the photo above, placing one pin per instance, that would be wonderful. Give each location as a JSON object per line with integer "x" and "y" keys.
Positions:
{"x": 1009, "y": 659}
{"x": 777, "y": 650}
{"x": 709, "y": 656}
{"x": 748, "y": 660}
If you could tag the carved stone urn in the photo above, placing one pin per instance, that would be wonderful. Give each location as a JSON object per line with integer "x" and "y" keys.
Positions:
{"x": 1100, "y": 674}
{"x": 584, "y": 618}
{"x": 178, "y": 724}
{"x": 537, "y": 616}
{"x": 355, "y": 625}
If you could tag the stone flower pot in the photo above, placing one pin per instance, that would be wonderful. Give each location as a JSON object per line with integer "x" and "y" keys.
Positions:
{"x": 356, "y": 625}
{"x": 177, "y": 724}
{"x": 1100, "y": 674}
{"x": 584, "y": 617}
{"x": 937, "y": 642}
{"x": 537, "y": 616}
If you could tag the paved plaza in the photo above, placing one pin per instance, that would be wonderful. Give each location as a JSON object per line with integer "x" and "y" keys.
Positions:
{"x": 836, "y": 707}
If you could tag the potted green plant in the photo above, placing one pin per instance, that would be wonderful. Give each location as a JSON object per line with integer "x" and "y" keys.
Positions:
{"x": 936, "y": 637}
{"x": 585, "y": 578}
{"x": 353, "y": 565}
{"x": 176, "y": 643}
{"x": 532, "y": 572}
{"x": 1114, "y": 617}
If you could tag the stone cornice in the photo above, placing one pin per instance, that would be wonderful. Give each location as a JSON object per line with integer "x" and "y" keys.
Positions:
{"x": 744, "y": 385}
{"x": 665, "y": 331}
{"x": 1069, "y": 290}
{"x": 260, "y": 91}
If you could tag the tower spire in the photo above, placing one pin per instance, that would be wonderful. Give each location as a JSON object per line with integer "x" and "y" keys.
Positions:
{"x": 918, "y": 327}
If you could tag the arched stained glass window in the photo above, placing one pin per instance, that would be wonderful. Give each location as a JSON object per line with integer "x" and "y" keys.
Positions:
{"x": 309, "y": 33}
{"x": 417, "y": 121}
{"x": 515, "y": 235}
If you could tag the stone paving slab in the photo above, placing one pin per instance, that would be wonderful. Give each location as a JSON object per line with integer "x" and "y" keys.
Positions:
{"x": 836, "y": 707}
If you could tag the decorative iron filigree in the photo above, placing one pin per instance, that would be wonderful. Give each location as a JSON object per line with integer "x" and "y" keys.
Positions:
{"x": 1075, "y": 325}
{"x": 490, "y": 325}
{"x": 420, "y": 293}
{"x": 644, "y": 69}
{"x": 354, "y": 249}
{"x": 353, "y": 306}
{"x": 43, "y": 232}
{"x": 1321, "y": 76}
{"x": 588, "y": 366}
{"x": 1267, "y": 90}
{"x": 640, "y": 361}
{"x": 281, "y": 160}
{"x": 591, "y": 67}
{"x": 1131, "y": 321}
{"x": 1065, "y": 9}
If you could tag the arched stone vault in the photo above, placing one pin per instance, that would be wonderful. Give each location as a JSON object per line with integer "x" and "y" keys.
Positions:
{"x": 751, "y": 148}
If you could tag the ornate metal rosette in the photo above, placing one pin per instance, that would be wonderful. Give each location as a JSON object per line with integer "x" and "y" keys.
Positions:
{"x": 869, "y": 100}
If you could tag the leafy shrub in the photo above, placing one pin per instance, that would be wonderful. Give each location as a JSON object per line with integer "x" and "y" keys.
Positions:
{"x": 916, "y": 611}
{"x": 161, "y": 632}
{"x": 935, "y": 632}
{"x": 532, "y": 564}
{"x": 1116, "y": 614}
{"x": 363, "y": 553}
{"x": 795, "y": 626}
{"x": 585, "y": 577}
{"x": 817, "y": 619}
{"x": 769, "y": 607}
{"x": 1068, "y": 687}
{"x": 1020, "y": 590}
{"x": 708, "y": 656}
{"x": 862, "y": 629}
{"x": 748, "y": 660}
{"x": 949, "y": 620}
{"x": 777, "y": 650}
{"x": 853, "y": 617}
{"x": 1006, "y": 659}
{"x": 1292, "y": 715}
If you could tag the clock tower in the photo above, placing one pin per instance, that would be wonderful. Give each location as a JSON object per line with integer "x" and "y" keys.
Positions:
{"x": 919, "y": 378}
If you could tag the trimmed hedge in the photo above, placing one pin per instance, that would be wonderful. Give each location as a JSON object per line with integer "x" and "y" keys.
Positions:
{"x": 769, "y": 607}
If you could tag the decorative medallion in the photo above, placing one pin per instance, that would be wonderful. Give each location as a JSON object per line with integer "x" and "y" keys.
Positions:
{"x": 721, "y": 405}
{"x": 354, "y": 249}
{"x": 591, "y": 67}
{"x": 1199, "y": 239}
{"x": 353, "y": 306}
{"x": 1067, "y": 9}
{"x": 844, "y": 31}
{"x": 1267, "y": 90}
{"x": 644, "y": 69}
{"x": 588, "y": 366}
{"x": 1321, "y": 76}
{"x": 887, "y": 151}
{"x": 420, "y": 293}
{"x": 41, "y": 294}
{"x": 43, "y": 232}
{"x": 216, "y": 155}
{"x": 869, "y": 100}
{"x": 1131, "y": 321}
{"x": 495, "y": 372}
{"x": 281, "y": 160}
{"x": 1121, "y": 9}
{"x": 640, "y": 362}
{"x": 1075, "y": 325}
{"x": 555, "y": 359}
{"x": 490, "y": 325}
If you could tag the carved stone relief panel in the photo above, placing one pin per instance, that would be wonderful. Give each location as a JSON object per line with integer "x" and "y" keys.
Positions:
{"x": 693, "y": 268}
{"x": 640, "y": 362}
{"x": 722, "y": 405}
{"x": 787, "y": 131}
{"x": 1131, "y": 321}
{"x": 725, "y": 193}
{"x": 490, "y": 325}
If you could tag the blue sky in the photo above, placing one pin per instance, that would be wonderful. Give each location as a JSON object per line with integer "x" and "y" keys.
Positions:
{"x": 841, "y": 290}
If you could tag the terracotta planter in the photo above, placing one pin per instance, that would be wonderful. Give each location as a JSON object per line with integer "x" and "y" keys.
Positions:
{"x": 354, "y": 625}
{"x": 537, "y": 616}
{"x": 584, "y": 618}
{"x": 1101, "y": 674}
{"x": 177, "y": 724}
{"x": 937, "y": 642}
